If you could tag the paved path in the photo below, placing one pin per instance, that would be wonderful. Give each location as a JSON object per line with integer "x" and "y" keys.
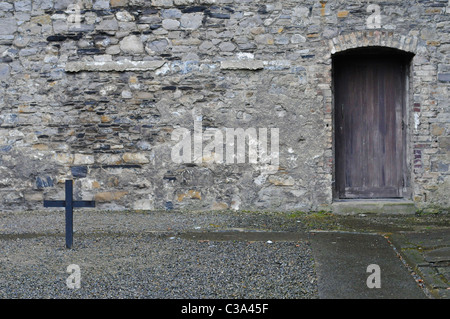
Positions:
{"x": 428, "y": 253}
{"x": 342, "y": 262}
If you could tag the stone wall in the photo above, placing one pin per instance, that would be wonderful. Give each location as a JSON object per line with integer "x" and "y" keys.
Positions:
{"x": 93, "y": 90}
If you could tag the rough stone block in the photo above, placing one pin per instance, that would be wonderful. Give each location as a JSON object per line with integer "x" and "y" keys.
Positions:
{"x": 219, "y": 206}
{"x": 342, "y": 14}
{"x": 108, "y": 25}
{"x": 34, "y": 197}
{"x": 162, "y": 3}
{"x": 298, "y": 38}
{"x": 132, "y": 44}
{"x": 281, "y": 180}
{"x": 444, "y": 142}
{"x": 192, "y": 194}
{"x": 82, "y": 159}
{"x": 264, "y": 39}
{"x": 8, "y": 26}
{"x": 135, "y": 158}
{"x": 158, "y": 45}
{"x": 170, "y": 24}
{"x": 184, "y": 2}
{"x": 42, "y": 4}
{"x": 109, "y": 196}
{"x": 6, "y": 6}
{"x": 63, "y": 158}
{"x": 43, "y": 182}
{"x": 124, "y": 16}
{"x": 4, "y": 71}
{"x": 62, "y": 4}
{"x": 101, "y": 4}
{"x": 227, "y": 46}
{"x": 191, "y": 21}
{"x": 143, "y": 204}
{"x": 118, "y": 3}
{"x": 79, "y": 171}
{"x": 444, "y": 77}
{"x": 24, "y": 5}
{"x": 171, "y": 13}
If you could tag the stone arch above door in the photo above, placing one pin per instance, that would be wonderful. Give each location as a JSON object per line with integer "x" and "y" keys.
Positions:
{"x": 375, "y": 38}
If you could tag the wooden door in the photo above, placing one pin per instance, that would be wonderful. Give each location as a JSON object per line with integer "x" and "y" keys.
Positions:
{"x": 369, "y": 128}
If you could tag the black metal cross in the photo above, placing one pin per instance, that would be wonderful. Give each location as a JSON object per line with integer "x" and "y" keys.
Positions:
{"x": 69, "y": 204}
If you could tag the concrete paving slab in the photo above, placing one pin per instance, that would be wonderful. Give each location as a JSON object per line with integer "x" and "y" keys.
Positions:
{"x": 429, "y": 238}
{"x": 342, "y": 261}
{"x": 428, "y": 254}
{"x": 439, "y": 255}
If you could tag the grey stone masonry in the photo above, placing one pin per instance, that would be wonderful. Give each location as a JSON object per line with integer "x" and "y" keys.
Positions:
{"x": 98, "y": 91}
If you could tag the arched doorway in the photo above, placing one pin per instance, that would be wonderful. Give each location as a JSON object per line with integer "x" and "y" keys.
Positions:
{"x": 370, "y": 96}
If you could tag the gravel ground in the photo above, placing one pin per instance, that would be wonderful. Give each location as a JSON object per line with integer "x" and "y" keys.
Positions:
{"x": 89, "y": 221}
{"x": 124, "y": 255}
{"x": 173, "y": 254}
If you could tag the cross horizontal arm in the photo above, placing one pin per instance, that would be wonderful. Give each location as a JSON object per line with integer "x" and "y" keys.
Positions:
{"x": 83, "y": 203}
{"x": 62, "y": 203}
{"x": 54, "y": 203}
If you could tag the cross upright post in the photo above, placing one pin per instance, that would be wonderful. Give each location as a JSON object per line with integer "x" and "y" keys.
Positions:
{"x": 69, "y": 204}
{"x": 69, "y": 213}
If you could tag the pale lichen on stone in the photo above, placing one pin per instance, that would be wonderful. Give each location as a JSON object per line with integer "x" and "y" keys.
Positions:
{"x": 242, "y": 65}
{"x": 117, "y": 66}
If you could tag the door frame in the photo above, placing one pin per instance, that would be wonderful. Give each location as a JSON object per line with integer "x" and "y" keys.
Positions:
{"x": 406, "y": 57}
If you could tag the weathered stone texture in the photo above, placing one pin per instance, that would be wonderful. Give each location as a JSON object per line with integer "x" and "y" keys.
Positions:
{"x": 95, "y": 95}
